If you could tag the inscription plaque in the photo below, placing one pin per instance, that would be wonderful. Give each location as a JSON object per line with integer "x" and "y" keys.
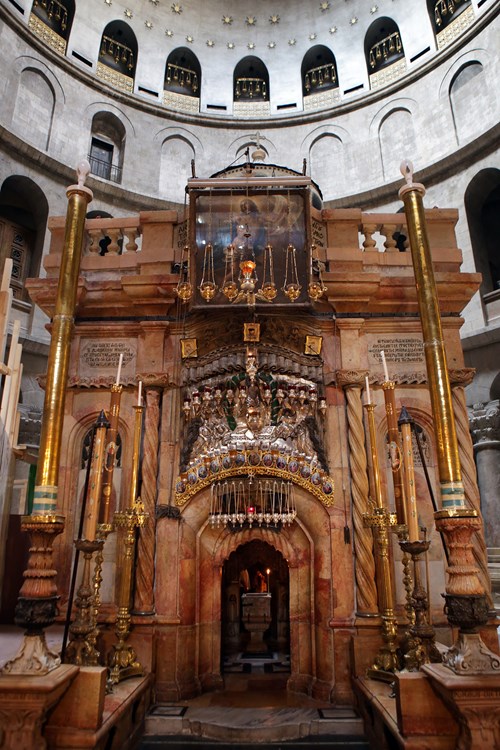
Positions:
{"x": 103, "y": 356}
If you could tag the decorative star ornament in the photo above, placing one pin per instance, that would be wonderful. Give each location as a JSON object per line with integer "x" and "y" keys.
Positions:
{"x": 108, "y": 2}
{"x": 169, "y": 32}
{"x": 230, "y": 45}
{"x": 251, "y": 20}
{"x": 251, "y": 45}
{"x": 271, "y": 45}
{"x": 155, "y": 2}
{"x": 373, "y": 9}
{"x": 312, "y": 37}
{"x": 210, "y": 43}
{"x": 353, "y": 20}
{"x": 148, "y": 24}
{"x": 176, "y": 8}
{"x": 227, "y": 20}
{"x": 332, "y": 29}
{"x": 324, "y": 6}
{"x": 189, "y": 39}
{"x": 292, "y": 42}
{"x": 274, "y": 19}
{"x": 128, "y": 13}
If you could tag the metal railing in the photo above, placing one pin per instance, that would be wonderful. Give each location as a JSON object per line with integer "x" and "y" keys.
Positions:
{"x": 104, "y": 169}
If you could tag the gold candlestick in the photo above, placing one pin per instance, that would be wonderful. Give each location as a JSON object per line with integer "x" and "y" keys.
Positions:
{"x": 123, "y": 660}
{"x": 405, "y": 422}
{"x": 466, "y": 602}
{"x": 394, "y": 449}
{"x": 111, "y": 448}
{"x": 95, "y": 479}
{"x": 381, "y": 520}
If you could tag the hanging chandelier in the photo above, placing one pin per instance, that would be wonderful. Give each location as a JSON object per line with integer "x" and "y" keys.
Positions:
{"x": 249, "y": 502}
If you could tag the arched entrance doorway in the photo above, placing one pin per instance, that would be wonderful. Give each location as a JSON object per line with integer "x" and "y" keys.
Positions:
{"x": 255, "y": 614}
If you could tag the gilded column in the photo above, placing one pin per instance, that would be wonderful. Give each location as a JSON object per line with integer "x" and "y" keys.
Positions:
{"x": 466, "y": 601}
{"x": 353, "y": 381}
{"x": 459, "y": 379}
{"x": 144, "y": 596}
{"x": 37, "y": 603}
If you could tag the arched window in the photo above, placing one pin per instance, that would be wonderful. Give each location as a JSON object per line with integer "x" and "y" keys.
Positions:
{"x": 482, "y": 205}
{"x": 106, "y": 146}
{"x": 51, "y": 20}
{"x": 118, "y": 56}
{"x": 182, "y": 81}
{"x": 384, "y": 53}
{"x": 251, "y": 81}
{"x": 23, "y": 219}
{"x": 444, "y": 12}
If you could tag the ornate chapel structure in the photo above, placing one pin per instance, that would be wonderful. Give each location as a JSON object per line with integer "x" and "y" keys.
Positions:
{"x": 249, "y": 359}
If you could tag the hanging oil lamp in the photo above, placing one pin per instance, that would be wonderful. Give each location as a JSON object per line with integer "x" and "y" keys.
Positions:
{"x": 291, "y": 286}
{"x": 184, "y": 289}
{"x": 316, "y": 288}
{"x": 207, "y": 286}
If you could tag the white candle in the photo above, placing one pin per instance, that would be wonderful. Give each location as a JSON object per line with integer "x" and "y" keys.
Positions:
{"x": 139, "y": 394}
{"x": 384, "y": 365}
{"x": 367, "y": 385}
{"x": 120, "y": 362}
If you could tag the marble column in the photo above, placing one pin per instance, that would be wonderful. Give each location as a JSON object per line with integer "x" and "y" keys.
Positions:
{"x": 144, "y": 586}
{"x": 352, "y": 381}
{"x": 458, "y": 380}
{"x": 484, "y": 420}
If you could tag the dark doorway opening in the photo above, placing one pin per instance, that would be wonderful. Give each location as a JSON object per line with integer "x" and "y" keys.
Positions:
{"x": 255, "y": 610}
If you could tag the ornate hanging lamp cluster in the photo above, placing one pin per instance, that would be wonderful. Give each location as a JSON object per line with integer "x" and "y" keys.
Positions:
{"x": 55, "y": 11}
{"x": 252, "y": 502}
{"x": 118, "y": 51}
{"x": 182, "y": 77}
{"x": 320, "y": 76}
{"x": 250, "y": 88}
{"x": 444, "y": 8}
{"x": 385, "y": 48}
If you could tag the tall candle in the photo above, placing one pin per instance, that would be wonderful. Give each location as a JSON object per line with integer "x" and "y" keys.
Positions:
{"x": 139, "y": 394}
{"x": 384, "y": 365}
{"x": 367, "y": 386}
{"x": 118, "y": 374}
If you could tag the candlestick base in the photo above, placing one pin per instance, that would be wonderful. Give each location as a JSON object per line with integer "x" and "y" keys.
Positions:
{"x": 81, "y": 648}
{"x": 421, "y": 644}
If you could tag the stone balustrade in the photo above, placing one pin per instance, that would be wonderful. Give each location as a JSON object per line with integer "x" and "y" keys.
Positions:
{"x": 366, "y": 255}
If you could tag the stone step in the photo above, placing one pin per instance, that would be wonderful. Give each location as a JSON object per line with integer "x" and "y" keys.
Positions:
{"x": 234, "y": 725}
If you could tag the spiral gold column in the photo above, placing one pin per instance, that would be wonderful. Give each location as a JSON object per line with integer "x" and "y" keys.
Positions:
{"x": 37, "y": 604}
{"x": 466, "y": 601}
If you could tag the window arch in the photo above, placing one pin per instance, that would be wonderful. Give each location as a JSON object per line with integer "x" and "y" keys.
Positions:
{"x": 468, "y": 93}
{"x": 443, "y": 12}
{"x": 482, "y": 206}
{"x": 107, "y": 146}
{"x": 318, "y": 71}
{"x": 23, "y": 219}
{"x": 35, "y": 93}
{"x": 251, "y": 81}
{"x": 118, "y": 55}
{"x": 383, "y": 50}
{"x": 58, "y": 16}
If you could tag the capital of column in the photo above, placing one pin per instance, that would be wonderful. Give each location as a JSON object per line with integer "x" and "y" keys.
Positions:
{"x": 351, "y": 378}
{"x": 484, "y": 423}
{"x": 461, "y": 377}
